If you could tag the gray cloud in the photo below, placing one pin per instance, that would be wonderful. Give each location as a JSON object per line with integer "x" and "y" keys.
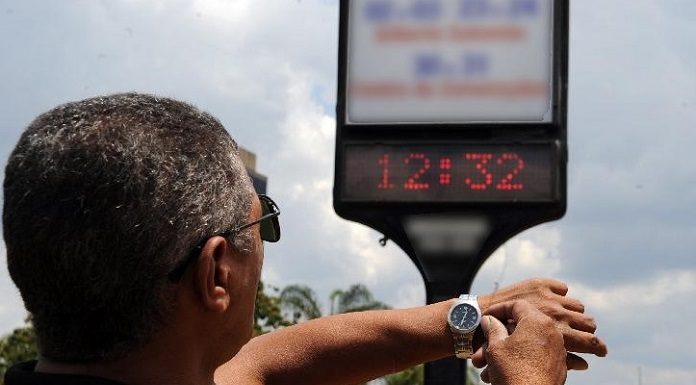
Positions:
{"x": 267, "y": 69}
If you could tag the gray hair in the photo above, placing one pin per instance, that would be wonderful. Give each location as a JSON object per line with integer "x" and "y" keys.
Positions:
{"x": 103, "y": 198}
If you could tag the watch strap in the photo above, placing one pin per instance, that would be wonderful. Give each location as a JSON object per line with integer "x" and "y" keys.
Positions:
{"x": 463, "y": 347}
{"x": 469, "y": 297}
{"x": 463, "y": 342}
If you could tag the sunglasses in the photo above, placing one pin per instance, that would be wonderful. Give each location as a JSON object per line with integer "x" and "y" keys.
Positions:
{"x": 269, "y": 229}
{"x": 270, "y": 226}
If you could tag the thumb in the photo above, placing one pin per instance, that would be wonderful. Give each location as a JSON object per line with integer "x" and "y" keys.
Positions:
{"x": 493, "y": 329}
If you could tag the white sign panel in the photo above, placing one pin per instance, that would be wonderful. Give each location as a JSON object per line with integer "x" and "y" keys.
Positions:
{"x": 449, "y": 61}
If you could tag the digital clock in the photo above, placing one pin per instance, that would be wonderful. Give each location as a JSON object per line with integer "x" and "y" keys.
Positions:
{"x": 450, "y": 173}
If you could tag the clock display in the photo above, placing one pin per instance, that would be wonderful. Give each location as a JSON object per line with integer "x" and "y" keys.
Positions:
{"x": 450, "y": 173}
{"x": 464, "y": 317}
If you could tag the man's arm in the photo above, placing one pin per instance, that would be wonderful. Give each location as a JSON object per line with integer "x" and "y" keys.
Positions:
{"x": 352, "y": 348}
{"x": 349, "y": 348}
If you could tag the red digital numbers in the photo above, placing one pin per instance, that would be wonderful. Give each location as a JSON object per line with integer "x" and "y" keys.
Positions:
{"x": 412, "y": 182}
{"x": 482, "y": 166}
{"x": 490, "y": 171}
{"x": 384, "y": 184}
{"x": 506, "y": 183}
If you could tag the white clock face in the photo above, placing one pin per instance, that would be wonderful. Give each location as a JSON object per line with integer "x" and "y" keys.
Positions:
{"x": 464, "y": 317}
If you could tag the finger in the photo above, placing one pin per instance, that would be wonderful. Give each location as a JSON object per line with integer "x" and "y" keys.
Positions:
{"x": 485, "y": 377}
{"x": 493, "y": 329}
{"x": 556, "y": 286}
{"x": 574, "y": 319}
{"x": 581, "y": 322}
{"x": 514, "y": 311}
{"x": 575, "y": 362}
{"x": 573, "y": 304}
{"x": 478, "y": 359}
{"x": 583, "y": 342}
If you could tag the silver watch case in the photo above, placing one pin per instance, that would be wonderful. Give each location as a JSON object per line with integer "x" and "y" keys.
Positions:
{"x": 468, "y": 299}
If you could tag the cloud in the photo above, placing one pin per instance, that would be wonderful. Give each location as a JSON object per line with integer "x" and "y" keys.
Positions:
{"x": 609, "y": 372}
{"x": 534, "y": 253}
{"x": 641, "y": 317}
{"x": 622, "y": 300}
{"x": 631, "y": 181}
{"x": 320, "y": 241}
{"x": 267, "y": 69}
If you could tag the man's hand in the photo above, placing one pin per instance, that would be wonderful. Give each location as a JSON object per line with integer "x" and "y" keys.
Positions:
{"x": 532, "y": 355}
{"x": 549, "y": 296}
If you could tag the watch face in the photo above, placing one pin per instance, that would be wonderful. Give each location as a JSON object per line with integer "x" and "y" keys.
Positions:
{"x": 464, "y": 317}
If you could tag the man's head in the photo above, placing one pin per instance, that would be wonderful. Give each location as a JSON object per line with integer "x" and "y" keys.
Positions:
{"x": 103, "y": 198}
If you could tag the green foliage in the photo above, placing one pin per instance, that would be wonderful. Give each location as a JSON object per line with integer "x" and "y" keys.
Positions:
{"x": 268, "y": 315}
{"x": 357, "y": 298}
{"x": 18, "y": 346}
{"x": 410, "y": 376}
{"x": 300, "y": 302}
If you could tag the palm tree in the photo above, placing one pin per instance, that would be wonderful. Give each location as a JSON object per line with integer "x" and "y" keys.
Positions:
{"x": 357, "y": 298}
{"x": 302, "y": 304}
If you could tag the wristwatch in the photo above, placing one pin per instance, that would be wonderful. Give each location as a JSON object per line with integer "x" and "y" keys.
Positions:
{"x": 463, "y": 319}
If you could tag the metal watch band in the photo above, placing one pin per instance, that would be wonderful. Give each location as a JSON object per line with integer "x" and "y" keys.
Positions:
{"x": 468, "y": 297}
{"x": 463, "y": 346}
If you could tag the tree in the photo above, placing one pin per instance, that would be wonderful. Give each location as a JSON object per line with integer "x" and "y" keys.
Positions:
{"x": 302, "y": 304}
{"x": 18, "y": 346}
{"x": 357, "y": 298}
{"x": 268, "y": 315}
{"x": 410, "y": 376}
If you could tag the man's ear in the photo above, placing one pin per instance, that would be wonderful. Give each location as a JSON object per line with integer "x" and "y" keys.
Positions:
{"x": 212, "y": 274}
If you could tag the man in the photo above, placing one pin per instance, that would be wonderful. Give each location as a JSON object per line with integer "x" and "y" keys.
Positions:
{"x": 135, "y": 238}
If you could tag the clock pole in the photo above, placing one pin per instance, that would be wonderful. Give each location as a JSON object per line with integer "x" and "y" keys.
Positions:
{"x": 451, "y": 131}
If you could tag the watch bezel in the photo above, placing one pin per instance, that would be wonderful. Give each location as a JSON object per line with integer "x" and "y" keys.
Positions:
{"x": 457, "y": 329}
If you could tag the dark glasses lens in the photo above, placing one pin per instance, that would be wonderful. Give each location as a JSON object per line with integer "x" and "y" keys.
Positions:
{"x": 270, "y": 226}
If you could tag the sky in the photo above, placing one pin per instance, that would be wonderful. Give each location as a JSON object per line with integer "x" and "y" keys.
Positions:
{"x": 267, "y": 70}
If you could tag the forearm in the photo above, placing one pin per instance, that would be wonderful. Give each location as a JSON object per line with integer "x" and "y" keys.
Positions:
{"x": 343, "y": 349}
